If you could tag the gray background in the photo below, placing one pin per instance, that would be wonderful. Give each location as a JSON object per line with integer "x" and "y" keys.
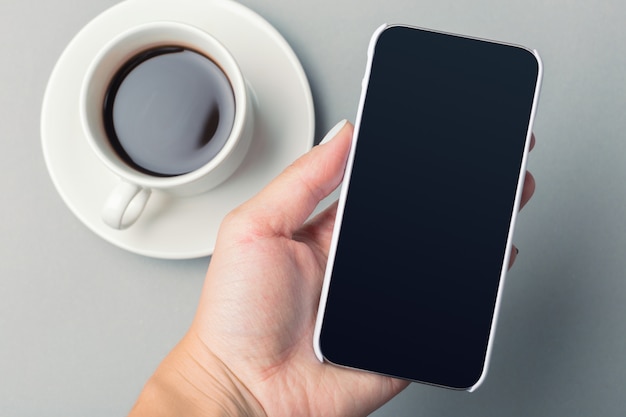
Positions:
{"x": 83, "y": 323}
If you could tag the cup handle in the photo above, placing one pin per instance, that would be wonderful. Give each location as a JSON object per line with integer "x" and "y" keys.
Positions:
{"x": 124, "y": 205}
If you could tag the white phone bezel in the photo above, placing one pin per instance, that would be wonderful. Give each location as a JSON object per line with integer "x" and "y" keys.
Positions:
{"x": 344, "y": 192}
{"x": 342, "y": 198}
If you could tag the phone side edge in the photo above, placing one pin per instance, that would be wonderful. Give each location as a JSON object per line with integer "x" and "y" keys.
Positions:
{"x": 342, "y": 197}
{"x": 516, "y": 208}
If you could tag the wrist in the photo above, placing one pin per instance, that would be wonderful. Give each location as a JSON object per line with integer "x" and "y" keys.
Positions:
{"x": 191, "y": 381}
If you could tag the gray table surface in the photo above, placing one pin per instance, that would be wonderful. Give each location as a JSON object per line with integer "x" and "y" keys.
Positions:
{"x": 84, "y": 323}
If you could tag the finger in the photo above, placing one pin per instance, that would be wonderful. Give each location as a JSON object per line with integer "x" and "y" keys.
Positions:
{"x": 527, "y": 193}
{"x": 528, "y": 190}
{"x": 285, "y": 204}
{"x": 514, "y": 252}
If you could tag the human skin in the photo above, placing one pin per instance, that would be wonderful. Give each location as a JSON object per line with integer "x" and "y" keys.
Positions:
{"x": 249, "y": 350}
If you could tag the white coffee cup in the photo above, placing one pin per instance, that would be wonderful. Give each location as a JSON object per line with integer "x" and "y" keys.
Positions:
{"x": 128, "y": 199}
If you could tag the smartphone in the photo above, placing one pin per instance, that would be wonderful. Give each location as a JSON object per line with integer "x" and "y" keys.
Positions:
{"x": 425, "y": 221}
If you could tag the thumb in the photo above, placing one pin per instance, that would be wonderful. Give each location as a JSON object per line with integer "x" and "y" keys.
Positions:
{"x": 285, "y": 204}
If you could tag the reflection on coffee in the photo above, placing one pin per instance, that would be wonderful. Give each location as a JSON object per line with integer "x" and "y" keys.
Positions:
{"x": 169, "y": 111}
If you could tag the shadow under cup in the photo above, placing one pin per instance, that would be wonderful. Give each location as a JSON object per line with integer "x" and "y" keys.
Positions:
{"x": 165, "y": 106}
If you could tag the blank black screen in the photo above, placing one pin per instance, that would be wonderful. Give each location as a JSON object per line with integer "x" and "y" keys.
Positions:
{"x": 429, "y": 204}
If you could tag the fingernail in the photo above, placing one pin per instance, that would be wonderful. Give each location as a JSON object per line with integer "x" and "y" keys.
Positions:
{"x": 333, "y": 132}
{"x": 516, "y": 251}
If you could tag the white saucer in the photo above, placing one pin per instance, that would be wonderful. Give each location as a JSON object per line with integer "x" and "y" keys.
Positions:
{"x": 179, "y": 228}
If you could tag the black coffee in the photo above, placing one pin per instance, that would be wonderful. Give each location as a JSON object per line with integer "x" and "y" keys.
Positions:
{"x": 169, "y": 111}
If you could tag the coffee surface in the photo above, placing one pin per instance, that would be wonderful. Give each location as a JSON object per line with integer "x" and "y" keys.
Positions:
{"x": 169, "y": 111}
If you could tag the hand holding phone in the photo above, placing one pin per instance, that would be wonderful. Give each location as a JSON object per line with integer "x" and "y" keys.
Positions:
{"x": 425, "y": 219}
